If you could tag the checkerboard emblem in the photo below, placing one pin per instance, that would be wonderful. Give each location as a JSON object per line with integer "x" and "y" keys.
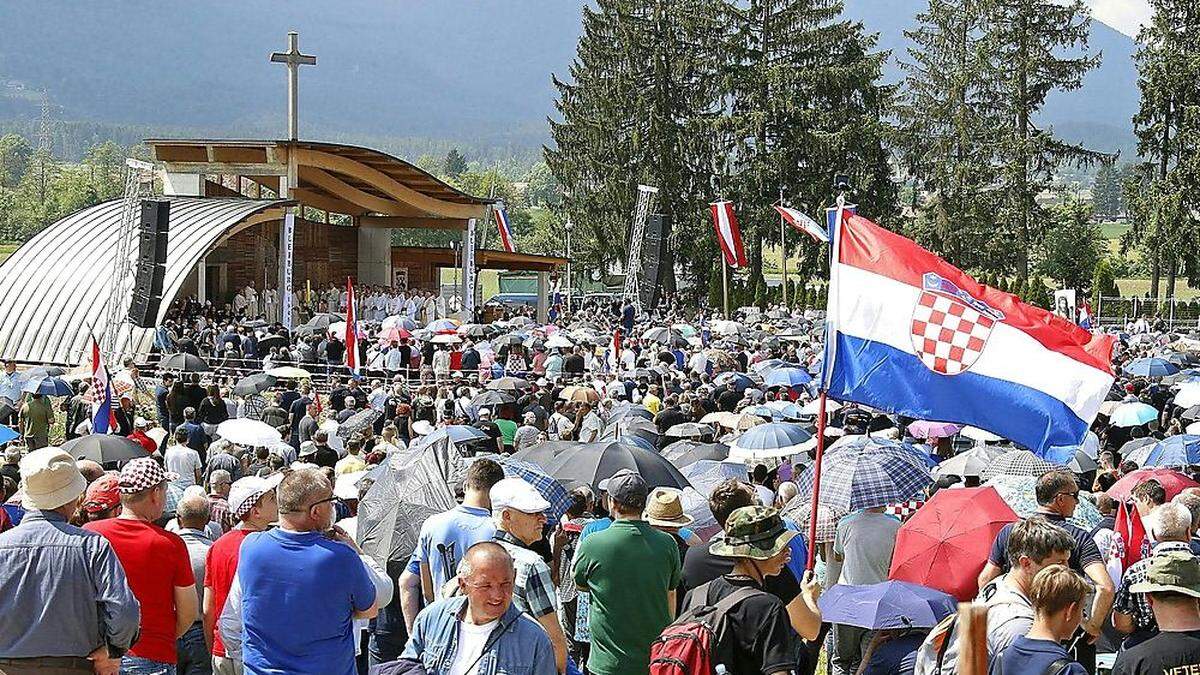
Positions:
{"x": 948, "y": 333}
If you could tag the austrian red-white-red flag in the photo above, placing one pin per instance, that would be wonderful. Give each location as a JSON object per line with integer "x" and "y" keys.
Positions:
{"x": 728, "y": 234}
{"x": 803, "y": 223}
{"x": 351, "y": 328}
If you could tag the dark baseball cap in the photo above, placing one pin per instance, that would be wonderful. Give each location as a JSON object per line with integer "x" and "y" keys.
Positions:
{"x": 628, "y": 488}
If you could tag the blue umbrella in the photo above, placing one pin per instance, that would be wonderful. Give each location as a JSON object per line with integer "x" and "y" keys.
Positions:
{"x": 550, "y": 489}
{"x": 740, "y": 381}
{"x": 1133, "y": 414}
{"x": 853, "y": 479}
{"x": 47, "y": 386}
{"x": 774, "y": 439}
{"x": 886, "y": 605}
{"x": 764, "y": 411}
{"x": 787, "y": 377}
{"x": 7, "y": 434}
{"x": 1179, "y": 450}
{"x": 1151, "y": 367}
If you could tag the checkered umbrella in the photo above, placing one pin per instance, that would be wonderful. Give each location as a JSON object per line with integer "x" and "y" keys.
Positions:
{"x": 1018, "y": 463}
{"x": 799, "y": 509}
{"x": 1017, "y": 491}
{"x": 550, "y": 489}
{"x": 863, "y": 477}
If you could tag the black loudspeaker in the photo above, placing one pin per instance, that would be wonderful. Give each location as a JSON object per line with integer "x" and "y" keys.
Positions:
{"x": 153, "y": 225}
{"x": 654, "y": 252}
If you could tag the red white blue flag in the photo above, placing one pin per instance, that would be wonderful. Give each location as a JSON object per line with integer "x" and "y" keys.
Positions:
{"x": 104, "y": 418}
{"x": 803, "y": 223}
{"x": 351, "y": 329}
{"x": 911, "y": 334}
{"x": 728, "y": 235}
{"x": 506, "y": 235}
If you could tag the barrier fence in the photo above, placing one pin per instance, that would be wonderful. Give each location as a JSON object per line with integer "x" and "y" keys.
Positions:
{"x": 1117, "y": 311}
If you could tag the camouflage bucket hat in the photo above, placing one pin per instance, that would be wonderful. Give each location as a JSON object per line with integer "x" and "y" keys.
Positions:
{"x": 755, "y": 532}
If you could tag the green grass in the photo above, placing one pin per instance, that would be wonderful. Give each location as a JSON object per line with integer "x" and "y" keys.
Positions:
{"x": 7, "y": 249}
{"x": 1140, "y": 287}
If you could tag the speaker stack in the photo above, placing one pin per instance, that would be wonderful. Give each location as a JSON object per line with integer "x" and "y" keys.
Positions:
{"x": 654, "y": 252}
{"x": 153, "y": 225}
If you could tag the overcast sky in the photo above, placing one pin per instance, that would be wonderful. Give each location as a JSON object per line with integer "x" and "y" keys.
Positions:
{"x": 1124, "y": 15}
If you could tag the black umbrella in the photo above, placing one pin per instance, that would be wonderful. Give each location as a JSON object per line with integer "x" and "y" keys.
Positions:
{"x": 357, "y": 422}
{"x": 684, "y": 453}
{"x": 187, "y": 363}
{"x": 492, "y": 397}
{"x": 254, "y": 384}
{"x": 265, "y": 344}
{"x": 593, "y": 462}
{"x": 104, "y": 449}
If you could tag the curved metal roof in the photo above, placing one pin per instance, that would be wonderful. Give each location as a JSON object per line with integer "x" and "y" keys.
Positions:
{"x": 56, "y": 286}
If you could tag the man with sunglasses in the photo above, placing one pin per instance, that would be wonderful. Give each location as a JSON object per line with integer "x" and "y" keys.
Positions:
{"x": 1057, "y": 496}
{"x": 300, "y": 586}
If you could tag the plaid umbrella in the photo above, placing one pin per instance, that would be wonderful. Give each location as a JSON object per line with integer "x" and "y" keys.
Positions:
{"x": 1017, "y": 491}
{"x": 855, "y": 478}
{"x": 799, "y": 509}
{"x": 1018, "y": 463}
{"x": 546, "y": 486}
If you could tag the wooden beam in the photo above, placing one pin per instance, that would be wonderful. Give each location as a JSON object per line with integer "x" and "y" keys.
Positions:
{"x": 413, "y": 223}
{"x": 320, "y": 200}
{"x": 390, "y": 186}
{"x": 340, "y": 189}
{"x": 220, "y": 168}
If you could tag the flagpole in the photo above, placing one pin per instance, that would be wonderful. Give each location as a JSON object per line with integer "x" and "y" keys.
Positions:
{"x": 725, "y": 284}
{"x": 783, "y": 249}
{"x": 816, "y": 492}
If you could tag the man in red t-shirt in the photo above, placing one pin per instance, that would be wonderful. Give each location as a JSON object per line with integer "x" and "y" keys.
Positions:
{"x": 252, "y": 505}
{"x": 156, "y": 564}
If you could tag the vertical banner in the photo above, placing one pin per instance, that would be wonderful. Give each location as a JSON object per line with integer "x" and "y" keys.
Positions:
{"x": 468, "y": 262}
{"x": 289, "y": 238}
{"x": 1064, "y": 303}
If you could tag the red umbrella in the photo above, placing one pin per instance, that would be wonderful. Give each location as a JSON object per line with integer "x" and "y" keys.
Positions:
{"x": 945, "y": 544}
{"x": 1172, "y": 481}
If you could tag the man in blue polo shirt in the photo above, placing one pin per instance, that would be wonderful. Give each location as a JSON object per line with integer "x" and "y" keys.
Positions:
{"x": 300, "y": 586}
{"x": 445, "y": 537}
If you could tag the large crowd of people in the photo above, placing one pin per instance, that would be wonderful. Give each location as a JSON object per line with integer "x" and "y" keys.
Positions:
{"x": 604, "y": 511}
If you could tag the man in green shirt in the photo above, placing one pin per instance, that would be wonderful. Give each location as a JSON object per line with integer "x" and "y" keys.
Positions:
{"x": 631, "y": 571}
{"x": 37, "y": 416}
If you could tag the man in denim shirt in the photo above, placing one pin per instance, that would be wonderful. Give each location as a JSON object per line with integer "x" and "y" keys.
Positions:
{"x": 66, "y": 604}
{"x": 480, "y": 630}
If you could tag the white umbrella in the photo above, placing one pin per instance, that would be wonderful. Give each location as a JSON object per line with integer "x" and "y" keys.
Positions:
{"x": 290, "y": 372}
{"x": 446, "y": 339}
{"x": 560, "y": 341}
{"x": 330, "y": 427}
{"x": 248, "y": 432}
{"x": 814, "y": 406}
{"x": 1188, "y": 396}
{"x": 977, "y": 434}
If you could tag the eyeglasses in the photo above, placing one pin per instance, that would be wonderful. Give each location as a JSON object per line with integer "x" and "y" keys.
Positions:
{"x": 1073, "y": 495}
{"x": 322, "y": 501}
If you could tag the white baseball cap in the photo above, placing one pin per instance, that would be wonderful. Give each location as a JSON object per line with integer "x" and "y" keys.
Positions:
{"x": 515, "y": 493}
{"x": 246, "y": 491}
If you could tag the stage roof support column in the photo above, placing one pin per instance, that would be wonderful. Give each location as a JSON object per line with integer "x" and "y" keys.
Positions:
{"x": 375, "y": 255}
{"x": 543, "y": 297}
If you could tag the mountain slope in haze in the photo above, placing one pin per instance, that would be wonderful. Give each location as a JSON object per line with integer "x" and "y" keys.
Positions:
{"x": 477, "y": 70}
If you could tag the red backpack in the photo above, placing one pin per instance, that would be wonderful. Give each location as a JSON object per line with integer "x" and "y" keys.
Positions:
{"x": 689, "y": 646}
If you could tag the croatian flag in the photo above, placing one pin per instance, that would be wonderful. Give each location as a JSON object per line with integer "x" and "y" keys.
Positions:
{"x": 104, "y": 418}
{"x": 728, "y": 234}
{"x": 803, "y": 223}
{"x": 1085, "y": 316}
{"x": 506, "y": 237}
{"x": 351, "y": 329}
{"x": 911, "y": 334}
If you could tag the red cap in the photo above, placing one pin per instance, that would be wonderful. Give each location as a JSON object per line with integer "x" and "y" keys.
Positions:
{"x": 103, "y": 494}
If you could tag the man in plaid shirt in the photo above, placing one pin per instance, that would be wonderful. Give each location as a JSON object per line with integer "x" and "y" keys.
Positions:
{"x": 520, "y": 515}
{"x": 1131, "y": 611}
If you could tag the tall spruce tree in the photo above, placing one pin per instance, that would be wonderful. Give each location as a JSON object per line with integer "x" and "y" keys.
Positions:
{"x": 1036, "y": 47}
{"x": 1106, "y": 191}
{"x": 638, "y": 107}
{"x": 803, "y": 103}
{"x": 1168, "y": 130}
{"x": 947, "y": 129}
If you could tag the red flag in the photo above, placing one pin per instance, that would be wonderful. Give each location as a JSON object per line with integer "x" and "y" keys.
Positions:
{"x": 351, "y": 329}
{"x": 728, "y": 234}
{"x": 1131, "y": 530}
{"x": 614, "y": 351}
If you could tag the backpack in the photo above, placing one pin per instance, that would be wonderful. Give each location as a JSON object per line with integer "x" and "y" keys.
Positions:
{"x": 689, "y": 645}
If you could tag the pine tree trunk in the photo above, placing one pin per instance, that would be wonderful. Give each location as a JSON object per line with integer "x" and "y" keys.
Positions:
{"x": 1155, "y": 274}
